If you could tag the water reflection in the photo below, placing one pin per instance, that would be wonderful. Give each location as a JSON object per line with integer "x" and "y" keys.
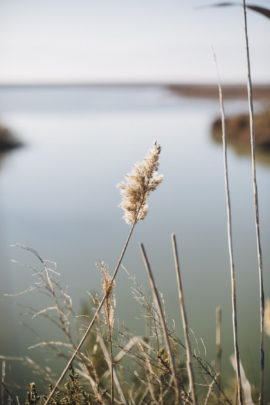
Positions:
{"x": 8, "y": 141}
{"x": 2, "y": 158}
{"x": 238, "y": 135}
{"x": 262, "y": 154}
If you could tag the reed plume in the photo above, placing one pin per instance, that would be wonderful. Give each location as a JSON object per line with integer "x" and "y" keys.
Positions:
{"x": 143, "y": 179}
{"x": 107, "y": 287}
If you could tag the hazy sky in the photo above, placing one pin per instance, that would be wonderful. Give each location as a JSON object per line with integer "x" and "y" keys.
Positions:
{"x": 122, "y": 40}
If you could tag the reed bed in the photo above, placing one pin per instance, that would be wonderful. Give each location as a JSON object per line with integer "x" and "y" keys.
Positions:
{"x": 110, "y": 365}
{"x": 105, "y": 364}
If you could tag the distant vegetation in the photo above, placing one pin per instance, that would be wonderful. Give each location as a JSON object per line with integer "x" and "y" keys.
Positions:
{"x": 238, "y": 132}
{"x": 7, "y": 140}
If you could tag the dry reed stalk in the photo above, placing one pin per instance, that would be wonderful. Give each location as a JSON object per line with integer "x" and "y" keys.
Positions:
{"x": 164, "y": 326}
{"x": 184, "y": 322}
{"x": 86, "y": 372}
{"x": 209, "y": 392}
{"x": 219, "y": 348}
{"x": 56, "y": 293}
{"x": 3, "y": 381}
{"x": 202, "y": 363}
{"x": 111, "y": 365}
{"x": 109, "y": 317}
{"x": 245, "y": 383}
{"x": 143, "y": 179}
{"x": 149, "y": 374}
{"x": 77, "y": 350}
{"x": 4, "y": 392}
{"x": 256, "y": 205}
{"x": 230, "y": 244}
{"x": 109, "y": 362}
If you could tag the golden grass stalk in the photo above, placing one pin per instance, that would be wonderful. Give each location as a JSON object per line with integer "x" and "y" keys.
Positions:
{"x": 139, "y": 183}
{"x": 164, "y": 326}
{"x": 185, "y": 323}
{"x": 256, "y": 206}
{"x": 109, "y": 311}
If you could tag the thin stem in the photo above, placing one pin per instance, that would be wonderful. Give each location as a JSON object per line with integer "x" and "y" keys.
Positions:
{"x": 115, "y": 377}
{"x": 209, "y": 392}
{"x": 230, "y": 246}
{"x": 75, "y": 353}
{"x": 164, "y": 326}
{"x": 185, "y": 322}
{"x": 256, "y": 206}
{"x": 111, "y": 362}
{"x": 219, "y": 348}
{"x": 3, "y": 381}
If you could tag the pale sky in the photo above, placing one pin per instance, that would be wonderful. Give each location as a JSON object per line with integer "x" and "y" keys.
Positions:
{"x": 128, "y": 40}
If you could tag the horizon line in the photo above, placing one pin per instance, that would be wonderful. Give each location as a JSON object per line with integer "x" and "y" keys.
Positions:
{"x": 149, "y": 83}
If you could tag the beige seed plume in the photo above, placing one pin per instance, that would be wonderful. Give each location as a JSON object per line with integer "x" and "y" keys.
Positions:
{"x": 143, "y": 179}
{"x": 108, "y": 290}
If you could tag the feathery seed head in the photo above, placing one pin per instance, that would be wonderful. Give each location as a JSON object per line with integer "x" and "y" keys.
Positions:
{"x": 108, "y": 287}
{"x": 143, "y": 179}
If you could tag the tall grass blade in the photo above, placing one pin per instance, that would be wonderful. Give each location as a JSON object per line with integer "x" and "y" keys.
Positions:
{"x": 185, "y": 322}
{"x": 76, "y": 352}
{"x": 230, "y": 244}
{"x": 256, "y": 205}
{"x": 164, "y": 326}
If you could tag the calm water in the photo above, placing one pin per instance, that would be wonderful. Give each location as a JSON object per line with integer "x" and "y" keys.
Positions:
{"x": 59, "y": 196}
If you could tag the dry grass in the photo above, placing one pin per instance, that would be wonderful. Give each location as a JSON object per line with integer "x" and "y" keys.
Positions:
{"x": 115, "y": 366}
{"x": 111, "y": 365}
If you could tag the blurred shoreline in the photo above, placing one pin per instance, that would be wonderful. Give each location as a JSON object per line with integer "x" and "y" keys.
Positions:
{"x": 260, "y": 91}
{"x": 208, "y": 91}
